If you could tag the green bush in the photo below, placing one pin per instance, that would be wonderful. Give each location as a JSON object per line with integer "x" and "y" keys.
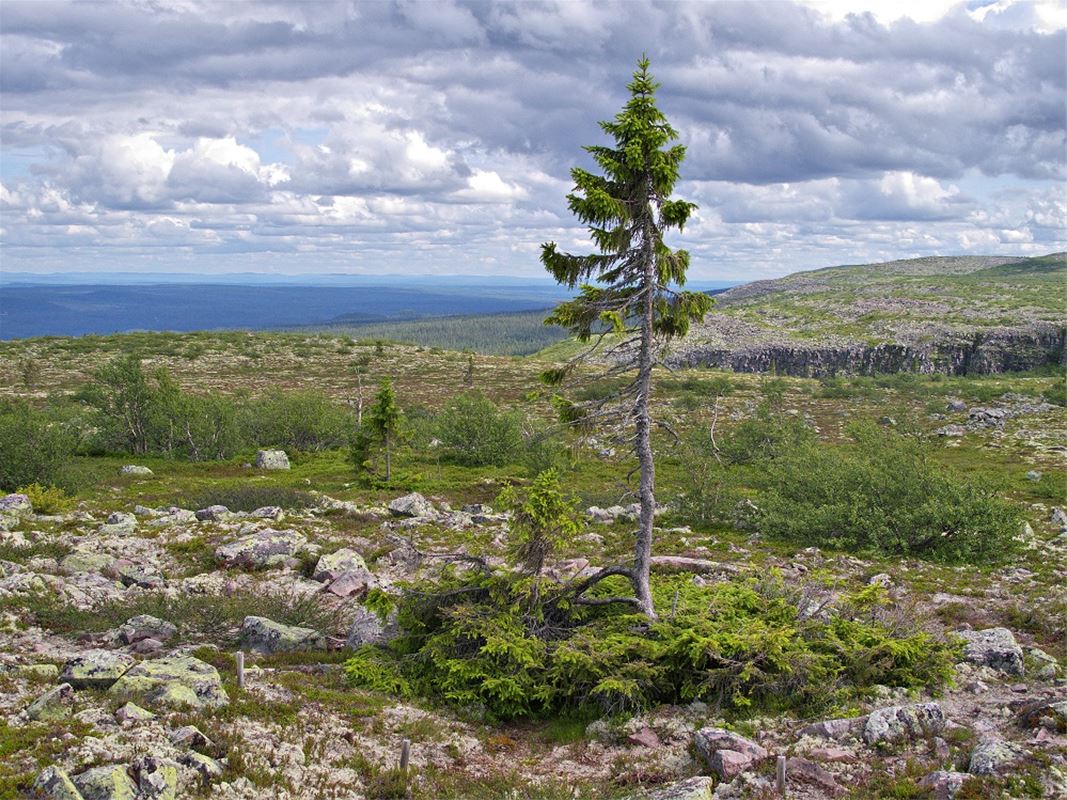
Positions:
{"x": 765, "y": 437}
{"x": 883, "y": 494}
{"x": 33, "y": 448}
{"x": 492, "y": 641}
{"x": 475, "y": 433}
{"x": 303, "y": 420}
{"x": 47, "y": 499}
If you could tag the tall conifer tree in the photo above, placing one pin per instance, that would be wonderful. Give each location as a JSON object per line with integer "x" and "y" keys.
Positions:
{"x": 628, "y": 209}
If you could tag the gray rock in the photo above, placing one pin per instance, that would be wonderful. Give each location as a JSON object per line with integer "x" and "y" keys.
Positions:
{"x": 1033, "y": 475}
{"x": 212, "y": 513}
{"x": 267, "y": 512}
{"x": 699, "y": 788}
{"x": 955, "y": 404}
{"x": 263, "y": 549}
{"x": 368, "y": 628}
{"x": 95, "y": 669}
{"x": 993, "y": 756}
{"x": 189, "y": 736}
{"x": 1058, "y": 517}
{"x": 157, "y": 779}
{"x": 1044, "y": 714}
{"x": 145, "y": 626}
{"x": 951, "y": 431}
{"x": 333, "y": 565}
{"x": 272, "y": 459}
{"x": 176, "y": 681}
{"x": 130, "y": 573}
{"x": 85, "y": 561}
{"x": 412, "y": 505}
{"x": 835, "y": 729}
{"x": 15, "y": 505}
{"x": 135, "y": 469}
{"x": 944, "y": 785}
{"x": 54, "y": 705}
{"x": 993, "y": 647}
{"x": 205, "y": 766}
{"x": 727, "y": 754}
{"x": 262, "y": 635}
{"x": 106, "y": 783}
{"x": 131, "y": 712}
{"x": 54, "y": 784}
{"x": 902, "y": 723}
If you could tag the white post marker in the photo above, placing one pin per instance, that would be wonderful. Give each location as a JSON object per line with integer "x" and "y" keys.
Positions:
{"x": 405, "y": 754}
{"x": 780, "y": 775}
{"x": 240, "y": 669}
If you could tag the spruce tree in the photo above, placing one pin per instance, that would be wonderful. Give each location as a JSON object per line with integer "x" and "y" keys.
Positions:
{"x": 636, "y": 295}
{"x": 384, "y": 421}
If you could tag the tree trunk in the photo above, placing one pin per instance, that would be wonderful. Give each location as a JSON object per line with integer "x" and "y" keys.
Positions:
{"x": 643, "y": 447}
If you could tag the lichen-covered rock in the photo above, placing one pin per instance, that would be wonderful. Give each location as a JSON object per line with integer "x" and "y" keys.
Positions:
{"x": 54, "y": 784}
{"x": 262, "y": 549}
{"x": 726, "y": 753}
{"x": 95, "y": 669}
{"x": 157, "y": 779}
{"x": 130, "y": 573}
{"x": 262, "y": 635}
{"x": 106, "y": 783}
{"x": 412, "y": 505}
{"x": 993, "y": 756}
{"x": 944, "y": 785}
{"x": 177, "y": 681}
{"x": 699, "y": 788}
{"x": 131, "y": 712}
{"x": 85, "y": 561}
{"x": 119, "y": 523}
{"x": 189, "y": 736}
{"x": 15, "y": 505}
{"x": 333, "y": 565}
{"x": 215, "y": 513}
{"x": 43, "y": 672}
{"x": 205, "y": 766}
{"x": 993, "y": 647}
{"x": 835, "y": 729}
{"x": 901, "y": 723}
{"x": 1045, "y": 714}
{"x": 54, "y": 705}
{"x": 145, "y": 626}
{"x": 272, "y": 459}
{"x": 134, "y": 469}
{"x": 368, "y": 628}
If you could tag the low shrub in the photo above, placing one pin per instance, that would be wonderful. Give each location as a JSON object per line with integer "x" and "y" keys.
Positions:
{"x": 884, "y": 494}
{"x": 33, "y": 448}
{"x": 47, "y": 499}
{"x": 475, "y": 433}
{"x": 492, "y": 641}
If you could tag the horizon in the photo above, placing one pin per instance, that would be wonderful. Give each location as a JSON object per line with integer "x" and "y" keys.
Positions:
{"x": 437, "y": 138}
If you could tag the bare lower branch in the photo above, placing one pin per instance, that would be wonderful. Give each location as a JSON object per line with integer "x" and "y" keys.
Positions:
{"x": 603, "y": 601}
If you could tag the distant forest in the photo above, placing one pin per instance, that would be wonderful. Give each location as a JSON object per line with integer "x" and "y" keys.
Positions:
{"x": 516, "y": 333}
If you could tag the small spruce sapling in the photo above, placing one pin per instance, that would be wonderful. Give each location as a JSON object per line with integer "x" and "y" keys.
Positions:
{"x": 383, "y": 427}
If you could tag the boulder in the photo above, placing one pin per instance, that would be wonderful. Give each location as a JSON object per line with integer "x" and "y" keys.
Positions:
{"x": 727, "y": 754}
{"x": 15, "y": 505}
{"x": 85, "y": 561}
{"x": 333, "y": 565}
{"x": 1044, "y": 714}
{"x": 944, "y": 785}
{"x": 993, "y": 647}
{"x": 903, "y": 723}
{"x": 54, "y": 784}
{"x": 130, "y": 573}
{"x": 131, "y": 712}
{"x": 350, "y": 583}
{"x": 189, "y": 736}
{"x": 205, "y": 766}
{"x": 134, "y": 469}
{"x": 54, "y": 705}
{"x": 412, "y": 505}
{"x": 212, "y": 513}
{"x": 991, "y": 757}
{"x": 368, "y": 628}
{"x": 106, "y": 783}
{"x": 801, "y": 770}
{"x": 157, "y": 779}
{"x": 836, "y": 729}
{"x": 95, "y": 669}
{"x": 119, "y": 523}
{"x": 145, "y": 626}
{"x": 272, "y": 459}
{"x": 265, "y": 548}
{"x": 699, "y": 788}
{"x": 262, "y": 635}
{"x": 180, "y": 681}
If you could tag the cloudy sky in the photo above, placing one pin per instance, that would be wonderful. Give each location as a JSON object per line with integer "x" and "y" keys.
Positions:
{"x": 437, "y": 137}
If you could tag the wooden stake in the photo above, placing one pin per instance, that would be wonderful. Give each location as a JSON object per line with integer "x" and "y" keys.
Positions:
{"x": 674, "y": 605}
{"x": 780, "y": 775}
{"x": 405, "y": 754}
{"x": 240, "y": 669}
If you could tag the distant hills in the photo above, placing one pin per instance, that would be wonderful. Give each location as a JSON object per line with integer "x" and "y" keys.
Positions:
{"x": 967, "y": 314}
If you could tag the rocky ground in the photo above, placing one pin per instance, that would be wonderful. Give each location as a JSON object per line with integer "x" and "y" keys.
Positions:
{"x": 118, "y": 674}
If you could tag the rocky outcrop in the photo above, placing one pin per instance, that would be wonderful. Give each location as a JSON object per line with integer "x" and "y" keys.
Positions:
{"x": 980, "y": 352}
{"x": 262, "y": 635}
{"x": 903, "y": 723}
{"x": 993, "y": 647}
{"x": 176, "y": 681}
{"x": 726, "y": 753}
{"x": 272, "y": 459}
